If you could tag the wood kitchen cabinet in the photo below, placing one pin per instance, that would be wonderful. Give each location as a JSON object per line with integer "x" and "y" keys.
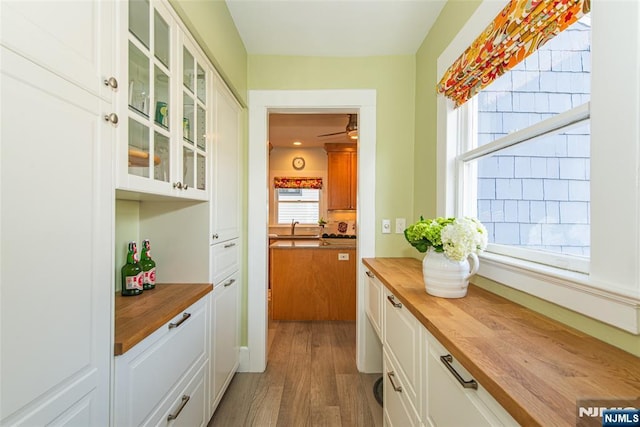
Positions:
{"x": 342, "y": 176}
{"x": 56, "y": 205}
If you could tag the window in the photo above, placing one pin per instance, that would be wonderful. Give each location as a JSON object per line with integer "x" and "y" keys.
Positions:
{"x": 610, "y": 291}
{"x": 298, "y": 204}
{"x": 525, "y": 161}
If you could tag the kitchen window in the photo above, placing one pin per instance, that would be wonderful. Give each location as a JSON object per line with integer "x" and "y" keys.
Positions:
{"x": 579, "y": 165}
{"x": 298, "y": 204}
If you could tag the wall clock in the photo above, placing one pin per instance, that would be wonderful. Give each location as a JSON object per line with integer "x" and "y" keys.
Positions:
{"x": 298, "y": 163}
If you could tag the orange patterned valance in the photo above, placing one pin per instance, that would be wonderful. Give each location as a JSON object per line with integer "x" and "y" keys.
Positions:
{"x": 518, "y": 30}
{"x": 297, "y": 182}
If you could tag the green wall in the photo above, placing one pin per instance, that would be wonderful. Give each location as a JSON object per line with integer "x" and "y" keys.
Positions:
{"x": 451, "y": 20}
{"x": 213, "y": 28}
{"x": 393, "y": 78}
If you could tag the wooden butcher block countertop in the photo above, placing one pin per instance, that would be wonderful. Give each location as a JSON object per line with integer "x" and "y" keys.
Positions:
{"x": 535, "y": 367}
{"x": 139, "y": 316}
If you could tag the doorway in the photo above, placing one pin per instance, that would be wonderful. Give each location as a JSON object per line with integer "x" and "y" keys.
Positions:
{"x": 261, "y": 103}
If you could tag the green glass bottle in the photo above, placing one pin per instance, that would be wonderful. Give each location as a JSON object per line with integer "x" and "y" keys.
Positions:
{"x": 148, "y": 266}
{"x": 132, "y": 282}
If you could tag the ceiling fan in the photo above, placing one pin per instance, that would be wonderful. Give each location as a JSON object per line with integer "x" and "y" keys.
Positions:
{"x": 351, "y": 130}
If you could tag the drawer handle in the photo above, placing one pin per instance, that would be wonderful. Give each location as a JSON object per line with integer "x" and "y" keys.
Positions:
{"x": 185, "y": 316}
{"x": 391, "y": 376}
{"x": 447, "y": 360}
{"x": 229, "y": 245}
{"x": 229, "y": 282}
{"x": 185, "y": 399}
{"x": 370, "y": 274}
{"x": 393, "y": 302}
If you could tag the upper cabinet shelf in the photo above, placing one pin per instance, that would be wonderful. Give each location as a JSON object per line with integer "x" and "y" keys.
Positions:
{"x": 165, "y": 106}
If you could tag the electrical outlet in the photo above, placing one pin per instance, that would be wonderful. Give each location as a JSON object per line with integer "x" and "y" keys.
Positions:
{"x": 343, "y": 257}
{"x": 386, "y": 226}
{"x": 401, "y": 224}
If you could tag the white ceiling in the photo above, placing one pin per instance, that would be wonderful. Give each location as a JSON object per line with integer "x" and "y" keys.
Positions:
{"x": 333, "y": 27}
{"x": 284, "y": 129}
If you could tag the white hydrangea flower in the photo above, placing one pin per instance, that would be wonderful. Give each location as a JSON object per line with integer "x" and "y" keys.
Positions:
{"x": 463, "y": 237}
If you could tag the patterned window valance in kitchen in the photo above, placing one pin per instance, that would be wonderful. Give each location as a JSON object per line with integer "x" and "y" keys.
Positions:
{"x": 518, "y": 30}
{"x": 297, "y": 182}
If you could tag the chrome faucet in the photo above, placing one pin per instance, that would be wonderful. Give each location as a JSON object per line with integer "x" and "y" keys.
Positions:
{"x": 293, "y": 227}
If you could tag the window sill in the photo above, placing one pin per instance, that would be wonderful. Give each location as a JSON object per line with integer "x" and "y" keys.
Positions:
{"x": 575, "y": 291}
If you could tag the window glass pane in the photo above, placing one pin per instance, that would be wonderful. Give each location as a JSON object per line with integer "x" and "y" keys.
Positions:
{"x": 161, "y": 37}
{"x": 187, "y": 69}
{"x": 298, "y": 204}
{"x": 536, "y": 194}
{"x": 138, "y": 80}
{"x": 553, "y": 79}
{"x": 138, "y": 149}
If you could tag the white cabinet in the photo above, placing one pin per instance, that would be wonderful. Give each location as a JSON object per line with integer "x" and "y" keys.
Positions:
{"x": 166, "y": 104}
{"x": 423, "y": 383}
{"x": 403, "y": 349}
{"x": 373, "y": 306}
{"x": 152, "y": 377}
{"x": 225, "y": 340}
{"x": 56, "y": 213}
{"x": 226, "y": 169}
{"x": 454, "y": 398}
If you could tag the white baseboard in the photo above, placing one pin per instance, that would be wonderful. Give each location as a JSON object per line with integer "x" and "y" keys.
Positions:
{"x": 244, "y": 359}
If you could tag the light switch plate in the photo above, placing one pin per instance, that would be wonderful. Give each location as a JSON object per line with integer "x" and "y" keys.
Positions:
{"x": 401, "y": 224}
{"x": 386, "y": 226}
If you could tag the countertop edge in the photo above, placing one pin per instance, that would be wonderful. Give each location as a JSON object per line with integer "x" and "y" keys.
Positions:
{"x": 151, "y": 310}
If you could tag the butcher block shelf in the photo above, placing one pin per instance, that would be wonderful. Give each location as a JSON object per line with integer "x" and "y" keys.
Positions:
{"x": 139, "y": 316}
{"x": 535, "y": 367}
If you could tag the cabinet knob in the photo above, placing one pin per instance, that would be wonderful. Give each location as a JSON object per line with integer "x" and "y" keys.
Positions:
{"x": 111, "y": 118}
{"x": 111, "y": 82}
{"x": 185, "y": 186}
{"x": 177, "y": 185}
{"x": 214, "y": 236}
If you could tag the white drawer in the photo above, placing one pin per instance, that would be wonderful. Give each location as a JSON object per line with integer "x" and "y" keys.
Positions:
{"x": 450, "y": 403}
{"x": 224, "y": 260}
{"x": 188, "y": 407}
{"x": 398, "y": 409}
{"x": 374, "y": 297}
{"x": 401, "y": 332}
{"x": 147, "y": 374}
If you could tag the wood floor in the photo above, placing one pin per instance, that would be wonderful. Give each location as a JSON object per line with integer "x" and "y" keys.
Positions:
{"x": 311, "y": 380}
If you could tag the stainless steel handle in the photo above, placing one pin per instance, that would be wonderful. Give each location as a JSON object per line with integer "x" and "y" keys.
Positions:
{"x": 229, "y": 245}
{"x": 447, "y": 360}
{"x": 214, "y": 236}
{"x": 111, "y": 118}
{"x": 185, "y": 399}
{"x": 370, "y": 274}
{"x": 393, "y": 302}
{"x": 391, "y": 376}
{"x": 229, "y": 282}
{"x": 112, "y": 82}
{"x": 185, "y": 316}
{"x": 177, "y": 185}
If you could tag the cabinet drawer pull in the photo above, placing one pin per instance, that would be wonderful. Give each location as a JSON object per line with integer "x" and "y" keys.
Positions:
{"x": 229, "y": 282}
{"x": 185, "y": 316}
{"x": 229, "y": 245}
{"x": 447, "y": 360}
{"x": 391, "y": 376}
{"x": 370, "y": 274}
{"x": 185, "y": 399}
{"x": 393, "y": 302}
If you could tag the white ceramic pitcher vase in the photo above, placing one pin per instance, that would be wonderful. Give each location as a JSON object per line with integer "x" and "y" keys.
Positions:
{"x": 446, "y": 278}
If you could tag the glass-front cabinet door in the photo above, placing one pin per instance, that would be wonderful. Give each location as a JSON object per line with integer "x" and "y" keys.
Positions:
{"x": 195, "y": 122}
{"x": 163, "y": 139}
